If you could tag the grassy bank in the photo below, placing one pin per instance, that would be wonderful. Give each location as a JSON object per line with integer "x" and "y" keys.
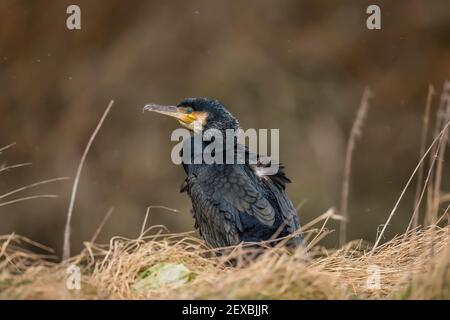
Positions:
{"x": 411, "y": 266}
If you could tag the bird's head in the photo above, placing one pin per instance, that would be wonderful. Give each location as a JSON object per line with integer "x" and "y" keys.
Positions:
{"x": 198, "y": 114}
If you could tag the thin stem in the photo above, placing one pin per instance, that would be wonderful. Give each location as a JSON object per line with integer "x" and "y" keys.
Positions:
{"x": 66, "y": 244}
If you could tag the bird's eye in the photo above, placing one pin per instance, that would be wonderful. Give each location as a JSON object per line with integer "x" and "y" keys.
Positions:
{"x": 189, "y": 110}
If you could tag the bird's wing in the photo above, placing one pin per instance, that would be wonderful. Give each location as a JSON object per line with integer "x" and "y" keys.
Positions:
{"x": 228, "y": 203}
{"x": 276, "y": 183}
{"x": 216, "y": 225}
{"x": 237, "y": 192}
{"x": 287, "y": 209}
{"x": 262, "y": 169}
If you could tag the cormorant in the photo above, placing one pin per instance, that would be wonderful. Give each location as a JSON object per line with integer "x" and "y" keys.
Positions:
{"x": 232, "y": 203}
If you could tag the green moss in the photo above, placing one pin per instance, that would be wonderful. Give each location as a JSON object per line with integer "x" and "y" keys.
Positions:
{"x": 163, "y": 274}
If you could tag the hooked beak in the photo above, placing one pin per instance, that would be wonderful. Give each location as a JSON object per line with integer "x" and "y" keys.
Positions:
{"x": 171, "y": 111}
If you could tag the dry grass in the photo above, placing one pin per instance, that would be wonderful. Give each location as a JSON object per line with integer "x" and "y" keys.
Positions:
{"x": 423, "y": 142}
{"x": 355, "y": 134}
{"x": 66, "y": 244}
{"x": 412, "y": 266}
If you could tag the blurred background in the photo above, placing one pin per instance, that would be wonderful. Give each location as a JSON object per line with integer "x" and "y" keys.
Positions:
{"x": 300, "y": 66}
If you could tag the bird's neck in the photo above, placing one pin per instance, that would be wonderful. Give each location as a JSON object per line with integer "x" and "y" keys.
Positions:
{"x": 219, "y": 144}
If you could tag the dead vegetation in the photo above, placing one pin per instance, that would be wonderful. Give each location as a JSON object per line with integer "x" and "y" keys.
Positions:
{"x": 414, "y": 265}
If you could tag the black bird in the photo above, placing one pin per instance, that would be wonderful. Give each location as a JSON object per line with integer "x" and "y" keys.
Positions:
{"x": 232, "y": 203}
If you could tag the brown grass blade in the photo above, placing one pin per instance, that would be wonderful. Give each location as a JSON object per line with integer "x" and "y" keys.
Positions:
{"x": 66, "y": 243}
{"x": 355, "y": 133}
{"x": 423, "y": 141}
